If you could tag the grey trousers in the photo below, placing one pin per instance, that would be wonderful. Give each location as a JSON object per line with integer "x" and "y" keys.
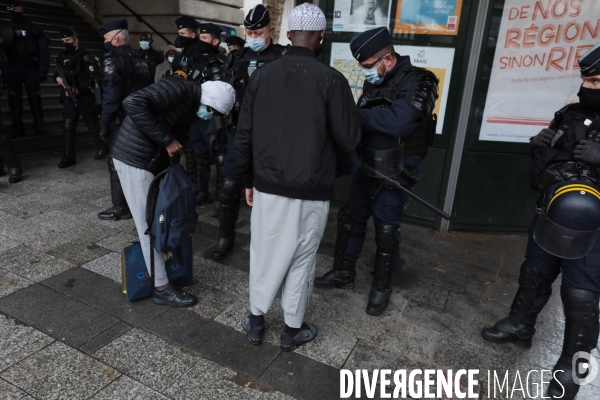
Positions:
{"x": 136, "y": 183}
{"x": 285, "y": 237}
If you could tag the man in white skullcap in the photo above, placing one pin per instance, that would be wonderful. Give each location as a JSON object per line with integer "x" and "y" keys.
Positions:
{"x": 295, "y": 114}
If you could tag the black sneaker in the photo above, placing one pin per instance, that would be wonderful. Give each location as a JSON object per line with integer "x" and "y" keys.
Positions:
{"x": 307, "y": 333}
{"x": 253, "y": 333}
{"x": 174, "y": 297}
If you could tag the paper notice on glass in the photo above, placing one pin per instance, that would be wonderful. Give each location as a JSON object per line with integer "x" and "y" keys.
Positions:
{"x": 535, "y": 71}
{"x": 360, "y": 15}
{"x": 430, "y": 17}
{"x": 438, "y": 60}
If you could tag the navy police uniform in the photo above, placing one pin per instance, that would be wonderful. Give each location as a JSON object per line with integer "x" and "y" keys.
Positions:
{"x": 28, "y": 64}
{"x": 240, "y": 64}
{"x": 124, "y": 71}
{"x": 396, "y": 114}
{"x": 200, "y": 61}
{"x": 567, "y": 151}
{"x": 81, "y": 70}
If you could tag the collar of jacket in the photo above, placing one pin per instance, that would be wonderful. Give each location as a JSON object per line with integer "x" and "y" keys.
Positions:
{"x": 298, "y": 51}
{"x": 402, "y": 63}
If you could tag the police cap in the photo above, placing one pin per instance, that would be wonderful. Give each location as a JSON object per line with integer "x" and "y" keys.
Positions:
{"x": 210, "y": 28}
{"x": 590, "y": 61}
{"x": 13, "y": 3}
{"x": 258, "y": 17}
{"x": 235, "y": 41}
{"x": 366, "y": 44}
{"x": 186, "y": 22}
{"x": 114, "y": 25}
{"x": 68, "y": 32}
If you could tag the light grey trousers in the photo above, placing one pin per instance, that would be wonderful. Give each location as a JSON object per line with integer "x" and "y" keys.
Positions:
{"x": 136, "y": 184}
{"x": 285, "y": 237}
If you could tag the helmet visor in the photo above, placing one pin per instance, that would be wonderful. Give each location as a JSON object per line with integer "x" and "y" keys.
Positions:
{"x": 563, "y": 242}
{"x": 382, "y": 163}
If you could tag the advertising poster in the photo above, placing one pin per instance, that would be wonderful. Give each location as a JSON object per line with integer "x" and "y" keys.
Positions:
{"x": 535, "y": 71}
{"x": 360, "y": 15}
{"x": 436, "y": 59}
{"x": 431, "y": 17}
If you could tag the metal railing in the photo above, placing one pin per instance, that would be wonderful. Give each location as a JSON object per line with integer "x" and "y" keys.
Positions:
{"x": 140, "y": 19}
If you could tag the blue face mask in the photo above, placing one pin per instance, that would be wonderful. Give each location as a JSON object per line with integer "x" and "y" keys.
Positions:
{"x": 372, "y": 76}
{"x": 203, "y": 112}
{"x": 144, "y": 45}
{"x": 170, "y": 59}
{"x": 257, "y": 45}
{"x": 108, "y": 46}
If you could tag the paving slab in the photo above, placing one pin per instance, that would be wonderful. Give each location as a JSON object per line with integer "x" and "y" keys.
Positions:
{"x": 7, "y": 244}
{"x": 10, "y": 283}
{"x": 79, "y": 252}
{"x": 220, "y": 276}
{"x": 104, "y": 294}
{"x": 291, "y": 373}
{"x": 60, "y": 372}
{"x": 113, "y": 243}
{"x": 109, "y": 265}
{"x": 10, "y": 392}
{"x": 125, "y": 388}
{"x": 213, "y": 341}
{"x": 32, "y": 264}
{"x": 57, "y": 315}
{"x": 147, "y": 358}
{"x": 19, "y": 341}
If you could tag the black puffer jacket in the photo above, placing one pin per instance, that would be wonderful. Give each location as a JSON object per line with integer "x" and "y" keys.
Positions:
{"x": 156, "y": 115}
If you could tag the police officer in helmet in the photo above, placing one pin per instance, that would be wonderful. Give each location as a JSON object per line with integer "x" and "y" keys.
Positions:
{"x": 396, "y": 112}
{"x": 28, "y": 64}
{"x": 79, "y": 68}
{"x": 239, "y": 66}
{"x": 563, "y": 237}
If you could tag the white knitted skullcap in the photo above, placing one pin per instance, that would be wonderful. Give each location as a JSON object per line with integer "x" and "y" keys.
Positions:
{"x": 307, "y": 17}
{"x": 219, "y": 95}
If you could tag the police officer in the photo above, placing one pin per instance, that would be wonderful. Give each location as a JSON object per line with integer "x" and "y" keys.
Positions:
{"x": 28, "y": 63}
{"x": 201, "y": 61}
{"x": 396, "y": 113}
{"x": 78, "y": 67}
{"x": 234, "y": 43}
{"x": 564, "y": 234}
{"x": 152, "y": 56}
{"x": 239, "y": 66}
{"x": 118, "y": 75}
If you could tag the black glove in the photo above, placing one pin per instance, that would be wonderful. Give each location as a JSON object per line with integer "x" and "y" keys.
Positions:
{"x": 105, "y": 133}
{"x": 588, "y": 152}
{"x": 42, "y": 77}
{"x": 370, "y": 102}
{"x": 544, "y": 138}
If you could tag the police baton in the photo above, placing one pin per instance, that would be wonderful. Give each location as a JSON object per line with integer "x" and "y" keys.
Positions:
{"x": 396, "y": 185}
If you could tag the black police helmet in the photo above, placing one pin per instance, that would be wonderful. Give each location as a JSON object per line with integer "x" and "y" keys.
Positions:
{"x": 569, "y": 221}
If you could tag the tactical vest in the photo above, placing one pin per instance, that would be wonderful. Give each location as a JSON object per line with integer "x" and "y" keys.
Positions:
{"x": 201, "y": 68}
{"x": 141, "y": 70}
{"x": 240, "y": 65}
{"x": 79, "y": 67}
{"x": 554, "y": 163}
{"x": 421, "y": 97}
{"x": 25, "y": 49}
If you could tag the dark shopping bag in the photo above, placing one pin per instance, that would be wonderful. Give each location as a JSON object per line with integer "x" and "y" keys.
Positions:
{"x": 137, "y": 282}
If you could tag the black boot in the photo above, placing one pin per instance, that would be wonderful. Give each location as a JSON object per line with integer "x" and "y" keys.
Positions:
{"x": 192, "y": 169}
{"x": 254, "y": 326}
{"x": 387, "y": 240}
{"x": 581, "y": 318}
{"x": 511, "y": 329}
{"x": 219, "y": 166}
{"x": 229, "y": 199}
{"x": 35, "y": 103}
{"x": 102, "y": 148}
{"x": 15, "y": 103}
{"x": 69, "y": 128}
{"x": 8, "y": 156}
{"x": 119, "y": 210}
{"x": 203, "y": 180}
{"x": 343, "y": 272}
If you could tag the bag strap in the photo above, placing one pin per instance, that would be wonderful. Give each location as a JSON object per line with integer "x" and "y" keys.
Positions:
{"x": 152, "y": 199}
